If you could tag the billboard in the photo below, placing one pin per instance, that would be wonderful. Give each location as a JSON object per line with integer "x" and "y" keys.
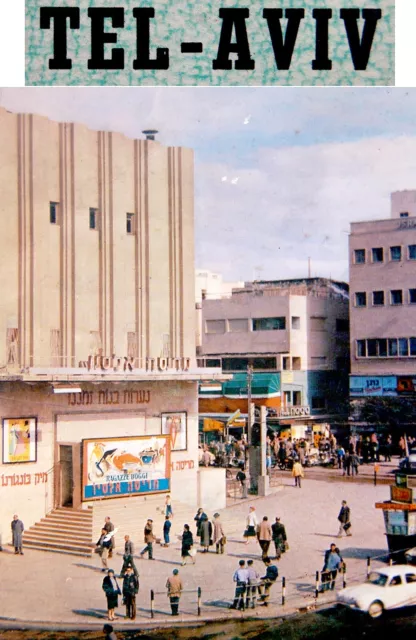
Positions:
{"x": 115, "y": 467}
{"x": 19, "y": 440}
{"x": 365, "y": 386}
{"x": 406, "y": 385}
{"x": 175, "y": 425}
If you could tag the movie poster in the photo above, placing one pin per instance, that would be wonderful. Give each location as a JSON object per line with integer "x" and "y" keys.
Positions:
{"x": 19, "y": 440}
{"x": 174, "y": 425}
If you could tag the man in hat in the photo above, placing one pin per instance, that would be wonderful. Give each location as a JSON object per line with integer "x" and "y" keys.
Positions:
{"x": 175, "y": 588}
{"x": 128, "y": 557}
{"x": 218, "y": 534}
{"x": 109, "y": 527}
{"x": 149, "y": 539}
{"x": 279, "y": 537}
{"x": 130, "y": 590}
{"x": 344, "y": 517}
{"x": 17, "y": 531}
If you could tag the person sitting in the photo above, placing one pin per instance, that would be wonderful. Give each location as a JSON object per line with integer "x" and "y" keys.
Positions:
{"x": 268, "y": 580}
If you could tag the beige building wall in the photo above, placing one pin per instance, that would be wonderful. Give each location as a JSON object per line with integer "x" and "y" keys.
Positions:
{"x": 68, "y": 290}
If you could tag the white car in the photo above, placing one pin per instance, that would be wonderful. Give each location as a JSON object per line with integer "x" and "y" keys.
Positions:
{"x": 409, "y": 462}
{"x": 388, "y": 588}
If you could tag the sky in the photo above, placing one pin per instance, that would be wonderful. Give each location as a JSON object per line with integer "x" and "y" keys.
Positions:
{"x": 279, "y": 172}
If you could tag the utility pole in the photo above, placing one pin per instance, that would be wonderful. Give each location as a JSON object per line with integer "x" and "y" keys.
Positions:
{"x": 249, "y": 411}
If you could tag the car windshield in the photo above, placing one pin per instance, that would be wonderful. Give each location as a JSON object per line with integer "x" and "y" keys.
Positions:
{"x": 377, "y": 578}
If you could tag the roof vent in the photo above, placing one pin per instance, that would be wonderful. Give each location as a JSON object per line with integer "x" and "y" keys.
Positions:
{"x": 150, "y": 133}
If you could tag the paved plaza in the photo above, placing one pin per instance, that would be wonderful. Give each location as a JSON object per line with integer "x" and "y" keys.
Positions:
{"x": 58, "y": 589}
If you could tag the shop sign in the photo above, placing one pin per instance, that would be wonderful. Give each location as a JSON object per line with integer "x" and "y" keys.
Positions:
{"x": 401, "y": 480}
{"x": 114, "y": 467}
{"x": 406, "y": 385}
{"x": 373, "y": 386}
{"x": 109, "y": 396}
{"x": 292, "y": 412}
{"x": 126, "y": 363}
{"x": 20, "y": 479}
{"x": 407, "y": 224}
{"x": 401, "y": 494}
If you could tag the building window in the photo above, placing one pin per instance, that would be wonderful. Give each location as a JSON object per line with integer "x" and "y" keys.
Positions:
{"x": 297, "y": 398}
{"x": 404, "y": 214}
{"x": 412, "y": 296}
{"x": 215, "y": 326}
{"x": 212, "y": 362}
{"x": 130, "y": 227}
{"x": 286, "y": 363}
{"x": 235, "y": 364}
{"x": 54, "y": 212}
{"x": 382, "y": 347}
{"x": 359, "y": 256}
{"x": 361, "y": 299}
{"x": 403, "y": 347}
{"x": 295, "y": 322}
{"x": 263, "y": 363}
{"x": 395, "y": 253}
{"x": 318, "y": 402}
{"x": 342, "y": 325}
{"x": 361, "y": 349}
{"x": 317, "y": 324}
{"x": 371, "y": 348}
{"x": 288, "y": 398}
{"x": 269, "y": 324}
{"x": 392, "y": 345}
{"x": 378, "y": 254}
{"x": 296, "y": 363}
{"x": 412, "y": 345}
{"x": 93, "y": 218}
{"x": 378, "y": 298}
{"x": 396, "y": 296}
{"x": 412, "y": 251}
{"x": 239, "y": 325}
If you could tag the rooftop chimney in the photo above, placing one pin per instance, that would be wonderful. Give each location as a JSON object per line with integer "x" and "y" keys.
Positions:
{"x": 150, "y": 133}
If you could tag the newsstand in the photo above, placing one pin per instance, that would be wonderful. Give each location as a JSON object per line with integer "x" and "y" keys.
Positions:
{"x": 400, "y": 519}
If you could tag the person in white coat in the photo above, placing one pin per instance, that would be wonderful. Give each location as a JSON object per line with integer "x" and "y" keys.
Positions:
{"x": 251, "y": 525}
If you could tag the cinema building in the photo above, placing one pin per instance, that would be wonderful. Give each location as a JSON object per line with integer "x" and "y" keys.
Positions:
{"x": 98, "y": 377}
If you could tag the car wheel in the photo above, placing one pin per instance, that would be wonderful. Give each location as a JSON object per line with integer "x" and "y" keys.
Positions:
{"x": 376, "y": 609}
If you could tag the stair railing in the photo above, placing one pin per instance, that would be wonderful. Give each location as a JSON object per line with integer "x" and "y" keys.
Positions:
{"x": 52, "y": 483}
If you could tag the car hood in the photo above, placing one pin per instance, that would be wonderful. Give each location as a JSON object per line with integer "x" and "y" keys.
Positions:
{"x": 360, "y": 591}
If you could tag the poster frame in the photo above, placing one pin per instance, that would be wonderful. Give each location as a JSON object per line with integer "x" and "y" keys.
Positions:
{"x": 34, "y": 431}
{"x": 163, "y": 417}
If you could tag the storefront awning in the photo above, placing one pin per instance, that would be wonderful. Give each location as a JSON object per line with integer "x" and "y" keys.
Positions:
{"x": 263, "y": 385}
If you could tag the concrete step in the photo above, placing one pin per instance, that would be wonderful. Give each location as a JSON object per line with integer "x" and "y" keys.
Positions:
{"x": 75, "y": 513}
{"x": 57, "y": 522}
{"x": 51, "y": 533}
{"x": 36, "y": 547}
{"x": 62, "y": 546}
{"x": 46, "y": 538}
{"x": 65, "y": 518}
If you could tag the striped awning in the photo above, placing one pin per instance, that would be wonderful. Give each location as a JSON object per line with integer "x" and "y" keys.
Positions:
{"x": 263, "y": 385}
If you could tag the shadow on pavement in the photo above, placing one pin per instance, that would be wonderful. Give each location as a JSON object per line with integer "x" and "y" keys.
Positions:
{"x": 83, "y": 565}
{"x": 251, "y": 556}
{"x": 326, "y": 535}
{"x": 354, "y": 552}
{"x": 91, "y": 613}
{"x": 305, "y": 587}
{"x": 221, "y": 604}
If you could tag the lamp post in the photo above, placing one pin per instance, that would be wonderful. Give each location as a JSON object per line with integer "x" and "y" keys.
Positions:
{"x": 249, "y": 412}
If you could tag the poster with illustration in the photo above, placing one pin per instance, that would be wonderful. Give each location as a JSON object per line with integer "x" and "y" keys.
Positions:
{"x": 174, "y": 424}
{"x": 19, "y": 440}
{"x": 124, "y": 466}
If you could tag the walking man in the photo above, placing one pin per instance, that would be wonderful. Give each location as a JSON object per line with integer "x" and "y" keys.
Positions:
{"x": 297, "y": 473}
{"x": 355, "y": 462}
{"x": 253, "y": 584}
{"x": 128, "y": 557}
{"x": 268, "y": 580}
{"x": 103, "y": 547}
{"x": 265, "y": 537}
{"x": 149, "y": 539}
{"x": 175, "y": 588}
{"x": 109, "y": 527}
{"x": 241, "y": 579}
{"x": 344, "y": 519}
{"x": 166, "y": 530}
{"x": 279, "y": 537}
{"x": 17, "y": 531}
{"x": 130, "y": 590}
{"x": 242, "y": 479}
{"x": 218, "y": 534}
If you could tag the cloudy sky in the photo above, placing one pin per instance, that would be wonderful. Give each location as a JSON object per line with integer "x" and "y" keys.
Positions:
{"x": 280, "y": 172}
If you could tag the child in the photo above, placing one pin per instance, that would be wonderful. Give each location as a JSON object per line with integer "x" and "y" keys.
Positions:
{"x": 166, "y": 529}
{"x": 168, "y": 507}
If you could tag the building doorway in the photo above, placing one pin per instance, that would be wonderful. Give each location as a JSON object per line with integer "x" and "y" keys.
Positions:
{"x": 67, "y": 475}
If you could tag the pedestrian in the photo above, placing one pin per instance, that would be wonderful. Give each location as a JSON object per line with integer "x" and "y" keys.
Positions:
{"x": 252, "y": 586}
{"x": 206, "y": 533}
{"x": 166, "y": 531}
{"x": 402, "y": 447}
{"x": 332, "y": 564}
{"x": 109, "y": 632}
{"x": 344, "y": 519}
{"x": 17, "y": 531}
{"x": 130, "y": 590}
{"x": 218, "y": 537}
{"x": 187, "y": 545}
{"x": 347, "y": 463}
{"x": 149, "y": 539}
{"x": 109, "y": 527}
{"x": 279, "y": 537}
{"x": 297, "y": 473}
{"x": 175, "y": 588}
{"x": 355, "y": 463}
{"x": 251, "y": 524}
{"x": 388, "y": 448}
{"x": 264, "y": 536}
{"x": 112, "y": 591}
{"x": 240, "y": 578}
{"x": 197, "y": 519}
{"x": 168, "y": 507}
{"x": 268, "y": 580}
{"x": 340, "y": 456}
{"x": 103, "y": 547}
{"x": 268, "y": 455}
{"x": 128, "y": 557}
{"x": 242, "y": 479}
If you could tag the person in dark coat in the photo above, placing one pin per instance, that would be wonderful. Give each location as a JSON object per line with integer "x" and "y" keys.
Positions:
{"x": 103, "y": 547}
{"x": 17, "y": 530}
{"x": 128, "y": 557}
{"x": 112, "y": 591}
{"x": 332, "y": 564}
{"x": 130, "y": 590}
{"x": 149, "y": 539}
{"x": 344, "y": 518}
{"x": 206, "y": 533}
{"x": 187, "y": 544}
{"x": 108, "y": 526}
{"x": 197, "y": 519}
{"x": 279, "y": 537}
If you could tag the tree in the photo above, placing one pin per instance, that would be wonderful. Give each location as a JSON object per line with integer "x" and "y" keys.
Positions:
{"x": 394, "y": 413}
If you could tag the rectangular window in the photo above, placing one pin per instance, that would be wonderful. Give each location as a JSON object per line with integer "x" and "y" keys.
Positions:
{"x": 296, "y": 363}
{"x": 286, "y": 363}
{"x": 396, "y": 296}
{"x": 359, "y": 256}
{"x": 404, "y": 214}
{"x": 412, "y": 345}
{"x": 130, "y": 227}
{"x": 412, "y": 251}
{"x": 382, "y": 347}
{"x": 295, "y": 322}
{"x": 378, "y": 298}
{"x": 412, "y": 296}
{"x": 239, "y": 325}
{"x": 297, "y": 398}
{"x": 93, "y": 218}
{"x": 288, "y": 398}
{"x": 342, "y": 324}
{"x": 377, "y": 254}
{"x": 371, "y": 348}
{"x": 215, "y": 326}
{"x": 317, "y": 324}
{"x": 318, "y": 402}
{"x": 234, "y": 364}
{"x": 269, "y": 324}
{"x": 403, "y": 347}
{"x": 54, "y": 212}
{"x": 361, "y": 349}
{"x": 263, "y": 363}
{"x": 361, "y": 299}
{"x": 212, "y": 362}
{"x": 395, "y": 253}
{"x": 392, "y": 345}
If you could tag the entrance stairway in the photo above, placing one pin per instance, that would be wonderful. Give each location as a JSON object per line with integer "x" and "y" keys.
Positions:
{"x": 64, "y": 530}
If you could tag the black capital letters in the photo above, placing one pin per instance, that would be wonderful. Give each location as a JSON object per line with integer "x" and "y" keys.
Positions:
{"x": 283, "y": 50}
{"x": 99, "y": 38}
{"x": 59, "y": 16}
{"x": 360, "y": 51}
{"x": 322, "y": 62}
{"x": 233, "y": 18}
{"x": 143, "y": 60}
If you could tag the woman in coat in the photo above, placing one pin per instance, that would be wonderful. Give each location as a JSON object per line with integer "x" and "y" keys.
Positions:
{"x": 251, "y": 524}
{"x": 219, "y": 536}
{"x": 112, "y": 591}
{"x": 206, "y": 533}
{"x": 187, "y": 544}
{"x": 197, "y": 519}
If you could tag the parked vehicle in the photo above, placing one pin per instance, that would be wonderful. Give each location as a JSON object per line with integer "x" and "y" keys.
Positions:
{"x": 408, "y": 464}
{"x": 388, "y": 588}
{"x": 410, "y": 556}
